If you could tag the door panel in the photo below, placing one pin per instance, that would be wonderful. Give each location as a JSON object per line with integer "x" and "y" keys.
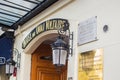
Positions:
{"x": 48, "y": 74}
{"x": 44, "y": 69}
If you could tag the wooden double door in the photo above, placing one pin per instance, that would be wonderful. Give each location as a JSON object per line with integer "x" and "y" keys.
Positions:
{"x": 42, "y": 67}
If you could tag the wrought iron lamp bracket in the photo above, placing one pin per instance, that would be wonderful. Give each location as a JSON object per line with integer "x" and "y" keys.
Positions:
{"x": 63, "y": 32}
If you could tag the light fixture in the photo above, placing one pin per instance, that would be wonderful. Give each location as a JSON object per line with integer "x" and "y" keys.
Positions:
{"x": 10, "y": 65}
{"x": 17, "y": 57}
{"x": 61, "y": 49}
{"x": 105, "y": 28}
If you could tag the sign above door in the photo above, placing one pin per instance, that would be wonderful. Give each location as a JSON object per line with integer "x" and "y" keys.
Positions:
{"x": 52, "y": 24}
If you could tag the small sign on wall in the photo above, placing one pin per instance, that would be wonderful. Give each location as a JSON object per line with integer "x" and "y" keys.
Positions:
{"x": 2, "y": 60}
{"x": 91, "y": 65}
{"x": 87, "y": 31}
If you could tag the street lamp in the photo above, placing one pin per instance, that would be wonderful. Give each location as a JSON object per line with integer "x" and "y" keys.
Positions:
{"x": 10, "y": 65}
{"x": 61, "y": 48}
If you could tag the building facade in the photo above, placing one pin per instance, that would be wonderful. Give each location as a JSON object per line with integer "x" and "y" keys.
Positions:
{"x": 105, "y": 13}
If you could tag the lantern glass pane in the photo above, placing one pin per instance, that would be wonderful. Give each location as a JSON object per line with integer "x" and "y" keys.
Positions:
{"x": 59, "y": 57}
{"x": 63, "y": 56}
{"x": 56, "y": 56}
{"x": 9, "y": 69}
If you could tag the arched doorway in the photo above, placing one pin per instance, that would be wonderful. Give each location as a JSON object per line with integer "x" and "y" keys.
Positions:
{"x": 42, "y": 67}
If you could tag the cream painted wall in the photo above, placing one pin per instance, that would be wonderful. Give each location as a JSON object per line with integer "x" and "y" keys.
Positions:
{"x": 107, "y": 12}
{"x": 111, "y": 62}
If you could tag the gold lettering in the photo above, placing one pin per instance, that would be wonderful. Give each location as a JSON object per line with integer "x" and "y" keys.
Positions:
{"x": 61, "y": 24}
{"x": 23, "y": 44}
{"x": 55, "y": 25}
{"x": 40, "y": 28}
{"x": 27, "y": 40}
{"x": 47, "y": 25}
{"x": 50, "y": 24}
{"x": 33, "y": 34}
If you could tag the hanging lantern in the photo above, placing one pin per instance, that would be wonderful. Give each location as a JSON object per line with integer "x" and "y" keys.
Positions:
{"x": 61, "y": 49}
{"x": 59, "y": 52}
{"x": 10, "y": 65}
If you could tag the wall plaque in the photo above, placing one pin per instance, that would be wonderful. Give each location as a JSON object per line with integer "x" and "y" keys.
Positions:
{"x": 87, "y": 31}
{"x": 91, "y": 65}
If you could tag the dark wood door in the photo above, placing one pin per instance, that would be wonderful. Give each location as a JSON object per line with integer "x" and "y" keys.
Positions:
{"x": 42, "y": 67}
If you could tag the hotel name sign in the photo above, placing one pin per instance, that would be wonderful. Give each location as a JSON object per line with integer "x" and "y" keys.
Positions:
{"x": 52, "y": 24}
{"x": 2, "y": 60}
